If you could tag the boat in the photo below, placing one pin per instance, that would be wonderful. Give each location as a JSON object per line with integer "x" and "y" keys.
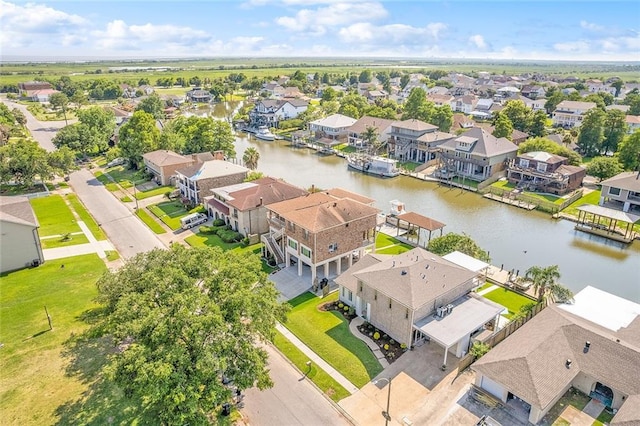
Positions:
{"x": 264, "y": 134}
{"x": 374, "y": 165}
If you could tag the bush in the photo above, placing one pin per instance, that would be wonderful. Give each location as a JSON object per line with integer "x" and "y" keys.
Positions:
{"x": 229, "y": 236}
{"x": 204, "y": 229}
{"x": 218, "y": 222}
{"x": 386, "y": 347}
{"x": 376, "y": 336}
{"x": 478, "y": 349}
{"x": 392, "y": 342}
{"x": 245, "y": 241}
{"x": 340, "y": 305}
{"x": 346, "y": 308}
{"x": 352, "y": 310}
{"x": 403, "y": 346}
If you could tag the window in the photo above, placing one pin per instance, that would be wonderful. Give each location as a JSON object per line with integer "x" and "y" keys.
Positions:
{"x": 333, "y": 247}
{"x": 305, "y": 234}
{"x": 614, "y": 191}
{"x": 524, "y": 162}
{"x": 350, "y": 296}
{"x": 305, "y": 251}
{"x": 293, "y": 244}
{"x": 360, "y": 286}
{"x": 542, "y": 167}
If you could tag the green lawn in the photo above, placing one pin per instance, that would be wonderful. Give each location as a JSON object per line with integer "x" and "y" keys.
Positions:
{"x": 318, "y": 376}
{"x": 86, "y": 217}
{"x": 170, "y": 213}
{"x": 409, "y": 165}
{"x": 504, "y": 184}
{"x": 328, "y": 335}
{"x": 591, "y": 198}
{"x": 34, "y": 388}
{"x": 484, "y": 286}
{"x": 384, "y": 240}
{"x": 140, "y": 195}
{"x": 112, "y": 255}
{"x": 465, "y": 182}
{"x": 73, "y": 240}
{"x": 54, "y": 216}
{"x": 386, "y": 244}
{"x": 210, "y": 240}
{"x": 346, "y": 148}
{"x": 125, "y": 177}
{"x": 509, "y": 299}
{"x": 397, "y": 249}
{"x": 148, "y": 220}
{"x": 572, "y": 397}
{"x": 104, "y": 179}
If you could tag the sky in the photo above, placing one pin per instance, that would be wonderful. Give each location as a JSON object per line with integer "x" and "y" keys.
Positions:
{"x": 469, "y": 29}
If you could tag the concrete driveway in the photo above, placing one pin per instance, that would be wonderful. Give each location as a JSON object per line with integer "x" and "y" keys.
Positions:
{"x": 289, "y": 284}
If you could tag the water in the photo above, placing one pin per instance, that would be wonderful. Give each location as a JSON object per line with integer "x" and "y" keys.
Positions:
{"x": 515, "y": 238}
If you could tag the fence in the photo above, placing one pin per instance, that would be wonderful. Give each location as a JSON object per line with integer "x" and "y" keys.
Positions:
{"x": 485, "y": 183}
{"x": 544, "y": 205}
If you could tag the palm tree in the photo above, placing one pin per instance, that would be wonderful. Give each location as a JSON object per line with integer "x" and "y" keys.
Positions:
{"x": 251, "y": 157}
{"x": 545, "y": 281}
{"x": 370, "y": 137}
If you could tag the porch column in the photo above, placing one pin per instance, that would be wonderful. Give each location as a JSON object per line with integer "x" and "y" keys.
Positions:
{"x": 350, "y": 260}
{"x": 313, "y": 274}
{"x": 446, "y": 350}
{"x": 326, "y": 270}
{"x": 299, "y": 267}
{"x": 339, "y": 264}
{"x": 287, "y": 258}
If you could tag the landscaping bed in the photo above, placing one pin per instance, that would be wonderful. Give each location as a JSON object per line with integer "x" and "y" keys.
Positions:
{"x": 391, "y": 349}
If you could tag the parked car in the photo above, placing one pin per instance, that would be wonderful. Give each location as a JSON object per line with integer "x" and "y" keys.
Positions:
{"x": 116, "y": 162}
{"x": 192, "y": 220}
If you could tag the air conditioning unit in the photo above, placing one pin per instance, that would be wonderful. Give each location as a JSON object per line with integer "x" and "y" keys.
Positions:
{"x": 442, "y": 311}
{"x": 449, "y": 308}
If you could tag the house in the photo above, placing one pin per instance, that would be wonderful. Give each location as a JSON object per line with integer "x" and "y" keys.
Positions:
{"x": 120, "y": 114}
{"x": 623, "y": 108}
{"x": 20, "y": 243}
{"x": 464, "y": 104}
{"x": 273, "y": 90}
{"x": 334, "y": 127}
{"x": 197, "y": 94}
{"x": 243, "y": 205}
{"x": 633, "y": 123}
{"x": 162, "y": 164}
{"x": 597, "y": 86}
{"x": 570, "y": 113}
{"x": 322, "y": 229}
{"x": 475, "y": 155}
{"x": 592, "y": 345}
{"x": 37, "y": 91}
{"x": 533, "y": 104}
{"x": 270, "y": 112}
{"x": 356, "y": 130}
{"x": 417, "y": 296}
{"x": 440, "y": 99}
{"x": 533, "y": 91}
{"x": 483, "y": 109}
{"x": 543, "y": 172}
{"x": 623, "y": 188}
{"x": 376, "y": 95}
{"x": 196, "y": 180}
{"x": 415, "y": 140}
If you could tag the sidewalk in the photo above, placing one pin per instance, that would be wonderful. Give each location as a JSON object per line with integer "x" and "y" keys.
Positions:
{"x": 350, "y": 387}
{"x": 77, "y": 250}
{"x": 353, "y": 327}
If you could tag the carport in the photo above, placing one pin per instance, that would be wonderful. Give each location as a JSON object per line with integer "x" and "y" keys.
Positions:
{"x": 415, "y": 220}
{"x": 461, "y": 319}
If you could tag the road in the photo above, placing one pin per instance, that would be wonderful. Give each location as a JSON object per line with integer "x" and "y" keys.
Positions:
{"x": 42, "y": 132}
{"x": 291, "y": 401}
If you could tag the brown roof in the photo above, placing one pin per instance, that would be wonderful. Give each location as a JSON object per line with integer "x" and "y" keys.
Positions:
{"x": 413, "y": 124}
{"x": 632, "y": 119}
{"x": 308, "y": 200}
{"x": 421, "y": 221}
{"x": 413, "y": 278}
{"x": 486, "y": 144}
{"x": 567, "y": 170}
{"x": 531, "y": 363}
{"x": 267, "y": 191}
{"x": 17, "y": 209}
{"x": 343, "y": 193}
{"x": 625, "y": 180}
{"x": 163, "y": 157}
{"x": 435, "y": 137}
{"x": 360, "y": 126}
{"x": 327, "y": 215}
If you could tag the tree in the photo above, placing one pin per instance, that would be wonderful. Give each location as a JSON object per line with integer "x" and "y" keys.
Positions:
{"x": 62, "y": 160}
{"x": 519, "y": 115}
{"x": 152, "y": 105}
{"x": 184, "y": 319}
{"x": 547, "y": 145}
{"x": 591, "y": 132}
{"x": 204, "y": 134}
{"x": 19, "y": 116}
{"x": 545, "y": 283}
{"x": 370, "y": 139}
{"x": 629, "y": 151}
{"x": 404, "y": 80}
{"x": 457, "y": 242}
{"x": 633, "y": 100}
{"x": 615, "y": 128}
{"x": 251, "y": 157}
{"x": 101, "y": 123}
{"x": 442, "y": 117}
{"x": 60, "y": 101}
{"x": 593, "y": 97}
{"x": 554, "y": 97}
{"x": 417, "y": 106}
{"x": 502, "y": 126}
{"x": 22, "y": 161}
{"x": 353, "y": 104}
{"x": 604, "y": 167}
{"x": 618, "y": 86}
{"x": 538, "y": 126}
{"x": 365, "y": 76}
{"x": 138, "y": 136}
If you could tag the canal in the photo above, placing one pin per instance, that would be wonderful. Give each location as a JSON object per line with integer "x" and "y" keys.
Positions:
{"x": 514, "y": 237}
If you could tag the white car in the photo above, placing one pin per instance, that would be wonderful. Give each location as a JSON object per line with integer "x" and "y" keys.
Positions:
{"x": 116, "y": 162}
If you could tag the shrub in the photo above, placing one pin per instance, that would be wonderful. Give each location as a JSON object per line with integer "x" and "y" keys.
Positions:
{"x": 386, "y": 347}
{"x": 392, "y": 342}
{"x": 229, "y": 236}
{"x": 340, "y": 305}
{"x": 245, "y": 241}
{"x": 346, "y": 308}
{"x": 478, "y": 349}
{"x": 352, "y": 310}
{"x": 204, "y": 229}
{"x": 376, "y": 336}
{"x": 218, "y": 222}
{"x": 403, "y": 346}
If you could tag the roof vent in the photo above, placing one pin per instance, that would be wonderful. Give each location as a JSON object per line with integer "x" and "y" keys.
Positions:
{"x": 587, "y": 345}
{"x": 568, "y": 363}
{"x": 403, "y": 272}
{"x": 426, "y": 267}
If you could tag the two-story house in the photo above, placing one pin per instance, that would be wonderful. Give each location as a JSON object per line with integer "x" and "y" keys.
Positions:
{"x": 334, "y": 127}
{"x": 162, "y": 164}
{"x": 417, "y": 296}
{"x": 270, "y": 112}
{"x": 464, "y": 104}
{"x": 197, "y": 94}
{"x": 243, "y": 205}
{"x": 475, "y": 155}
{"x": 543, "y": 172}
{"x": 415, "y": 140}
{"x": 597, "y": 86}
{"x": 381, "y": 125}
{"x": 323, "y": 229}
{"x": 197, "y": 180}
{"x": 622, "y": 189}
{"x": 570, "y": 113}
{"x": 533, "y": 91}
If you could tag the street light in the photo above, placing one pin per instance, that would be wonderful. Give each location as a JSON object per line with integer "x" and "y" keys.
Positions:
{"x": 385, "y": 414}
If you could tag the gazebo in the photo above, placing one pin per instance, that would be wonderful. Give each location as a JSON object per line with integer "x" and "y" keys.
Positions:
{"x": 415, "y": 220}
{"x": 603, "y": 221}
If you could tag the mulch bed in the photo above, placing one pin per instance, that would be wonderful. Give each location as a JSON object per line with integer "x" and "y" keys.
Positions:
{"x": 391, "y": 349}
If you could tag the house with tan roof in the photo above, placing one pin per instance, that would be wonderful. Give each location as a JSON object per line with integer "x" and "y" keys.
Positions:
{"x": 321, "y": 229}
{"x": 355, "y": 131}
{"x": 475, "y": 155}
{"x": 334, "y": 127}
{"x": 544, "y": 172}
{"x": 20, "y": 243}
{"x": 592, "y": 345}
{"x": 633, "y": 123}
{"x": 196, "y": 180}
{"x": 415, "y": 140}
{"x": 418, "y": 296}
{"x": 162, "y": 164}
{"x": 243, "y": 206}
{"x": 569, "y": 114}
{"x": 622, "y": 191}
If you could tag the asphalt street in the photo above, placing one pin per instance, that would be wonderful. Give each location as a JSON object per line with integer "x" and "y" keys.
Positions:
{"x": 43, "y": 132}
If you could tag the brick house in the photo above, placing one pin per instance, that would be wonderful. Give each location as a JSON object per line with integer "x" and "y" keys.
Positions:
{"x": 321, "y": 229}
{"x": 544, "y": 172}
{"x": 196, "y": 180}
{"x": 162, "y": 164}
{"x": 243, "y": 206}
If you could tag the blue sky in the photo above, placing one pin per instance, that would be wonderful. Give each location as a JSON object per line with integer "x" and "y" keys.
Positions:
{"x": 554, "y": 30}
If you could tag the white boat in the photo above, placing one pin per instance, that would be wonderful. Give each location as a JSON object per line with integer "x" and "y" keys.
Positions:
{"x": 264, "y": 134}
{"x": 374, "y": 165}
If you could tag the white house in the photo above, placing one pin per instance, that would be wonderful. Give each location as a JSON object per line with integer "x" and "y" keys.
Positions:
{"x": 570, "y": 113}
{"x": 335, "y": 126}
{"x": 20, "y": 242}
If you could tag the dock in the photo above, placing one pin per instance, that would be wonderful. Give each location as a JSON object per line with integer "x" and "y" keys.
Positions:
{"x": 511, "y": 201}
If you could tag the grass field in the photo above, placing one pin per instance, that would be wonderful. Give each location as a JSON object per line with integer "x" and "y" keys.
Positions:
{"x": 509, "y": 299}
{"x": 148, "y": 220}
{"x": 161, "y": 190}
{"x": 86, "y": 217}
{"x": 34, "y": 382}
{"x": 170, "y": 213}
{"x": 104, "y": 179}
{"x": 386, "y": 244}
{"x": 72, "y": 240}
{"x": 210, "y": 240}
{"x": 591, "y": 198}
{"x": 54, "y": 216}
{"x": 327, "y": 333}
{"x": 503, "y": 184}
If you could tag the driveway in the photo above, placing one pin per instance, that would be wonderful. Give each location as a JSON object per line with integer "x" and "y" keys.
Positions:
{"x": 289, "y": 284}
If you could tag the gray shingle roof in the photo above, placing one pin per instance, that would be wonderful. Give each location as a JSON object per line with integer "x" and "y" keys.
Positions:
{"x": 18, "y": 210}
{"x": 625, "y": 180}
{"x": 486, "y": 144}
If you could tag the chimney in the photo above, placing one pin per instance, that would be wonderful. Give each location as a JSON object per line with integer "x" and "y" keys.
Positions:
{"x": 260, "y": 201}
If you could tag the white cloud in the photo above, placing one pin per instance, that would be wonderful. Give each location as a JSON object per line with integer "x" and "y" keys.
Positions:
{"x": 580, "y": 46}
{"x": 478, "y": 41}
{"x": 393, "y": 33}
{"x": 318, "y": 21}
{"x": 591, "y": 26}
{"x": 119, "y": 35}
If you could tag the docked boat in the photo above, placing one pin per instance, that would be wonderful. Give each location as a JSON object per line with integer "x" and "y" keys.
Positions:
{"x": 264, "y": 134}
{"x": 374, "y": 165}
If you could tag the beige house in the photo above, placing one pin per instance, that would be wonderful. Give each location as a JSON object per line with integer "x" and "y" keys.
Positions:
{"x": 570, "y": 113}
{"x": 623, "y": 189}
{"x": 355, "y": 132}
{"x": 418, "y": 296}
{"x": 197, "y": 180}
{"x": 162, "y": 164}
{"x": 321, "y": 229}
{"x": 592, "y": 345}
{"x": 243, "y": 206}
{"x": 415, "y": 140}
{"x": 20, "y": 242}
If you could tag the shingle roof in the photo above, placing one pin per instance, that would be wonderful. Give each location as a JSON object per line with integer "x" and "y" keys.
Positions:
{"x": 625, "y": 180}
{"x": 531, "y": 363}
{"x": 564, "y": 105}
{"x": 413, "y": 124}
{"x": 163, "y": 157}
{"x": 413, "y": 278}
{"x": 343, "y": 193}
{"x": 486, "y": 144}
{"x": 335, "y": 121}
{"x": 327, "y": 215}
{"x": 543, "y": 156}
{"x": 211, "y": 169}
{"x": 18, "y": 210}
{"x": 360, "y": 126}
{"x": 265, "y": 191}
